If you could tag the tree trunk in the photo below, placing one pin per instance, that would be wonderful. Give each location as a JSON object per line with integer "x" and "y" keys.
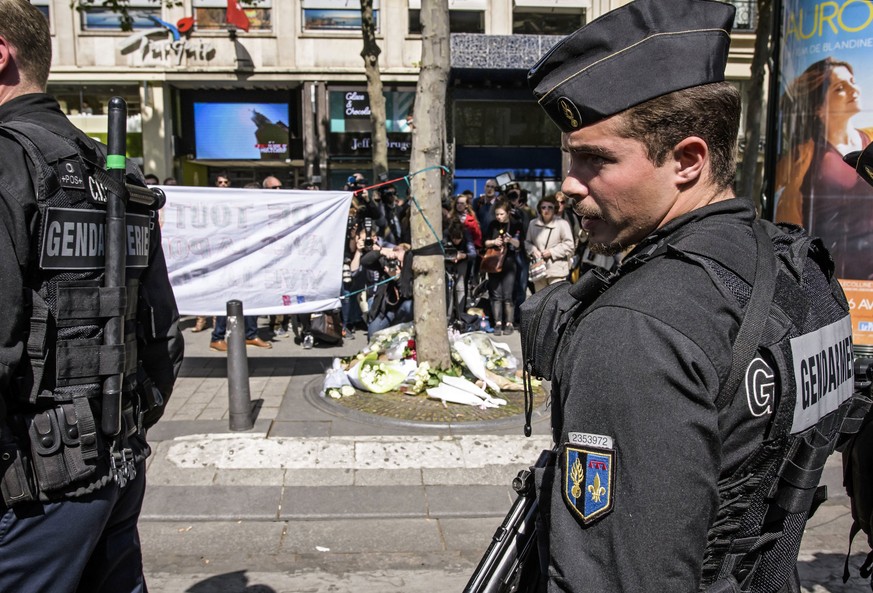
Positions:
{"x": 428, "y": 142}
{"x": 750, "y": 178}
{"x": 370, "y": 53}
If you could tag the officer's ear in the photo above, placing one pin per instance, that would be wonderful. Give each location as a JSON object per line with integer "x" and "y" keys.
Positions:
{"x": 690, "y": 158}
{"x": 5, "y": 60}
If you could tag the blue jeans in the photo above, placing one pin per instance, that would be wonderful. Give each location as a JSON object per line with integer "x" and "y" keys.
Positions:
{"x": 402, "y": 313}
{"x": 86, "y": 544}
{"x": 220, "y": 329}
{"x": 351, "y": 311}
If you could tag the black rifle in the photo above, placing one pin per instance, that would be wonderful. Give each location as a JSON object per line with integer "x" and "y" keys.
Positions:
{"x": 118, "y": 193}
{"x": 116, "y": 256}
{"x": 511, "y": 562}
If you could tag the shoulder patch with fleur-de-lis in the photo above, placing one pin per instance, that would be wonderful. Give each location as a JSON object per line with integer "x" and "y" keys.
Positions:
{"x": 588, "y": 482}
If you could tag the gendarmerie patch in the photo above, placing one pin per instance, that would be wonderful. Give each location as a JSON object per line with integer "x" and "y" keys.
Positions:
{"x": 73, "y": 239}
{"x": 823, "y": 372}
{"x": 588, "y": 481}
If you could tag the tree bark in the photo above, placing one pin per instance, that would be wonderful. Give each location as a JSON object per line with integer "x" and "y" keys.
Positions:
{"x": 428, "y": 143}
{"x": 370, "y": 53}
{"x": 750, "y": 178}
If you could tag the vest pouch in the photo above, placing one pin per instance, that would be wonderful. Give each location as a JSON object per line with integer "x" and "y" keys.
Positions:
{"x": 64, "y": 449}
{"x": 16, "y": 485}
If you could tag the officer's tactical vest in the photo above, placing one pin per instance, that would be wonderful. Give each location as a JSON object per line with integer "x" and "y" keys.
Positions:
{"x": 68, "y": 305}
{"x": 796, "y": 331}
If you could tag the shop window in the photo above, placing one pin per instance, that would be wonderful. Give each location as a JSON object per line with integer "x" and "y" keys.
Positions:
{"x": 211, "y": 15}
{"x": 460, "y": 21}
{"x": 100, "y": 18}
{"x": 44, "y": 7}
{"x": 503, "y": 123}
{"x": 465, "y": 16}
{"x": 335, "y": 15}
{"x": 87, "y": 108}
{"x": 532, "y": 20}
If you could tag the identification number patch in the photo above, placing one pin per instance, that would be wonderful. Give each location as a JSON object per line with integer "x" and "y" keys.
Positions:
{"x": 590, "y": 440}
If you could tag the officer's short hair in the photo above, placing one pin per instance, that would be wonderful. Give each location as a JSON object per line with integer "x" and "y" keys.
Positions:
{"x": 710, "y": 111}
{"x": 26, "y": 29}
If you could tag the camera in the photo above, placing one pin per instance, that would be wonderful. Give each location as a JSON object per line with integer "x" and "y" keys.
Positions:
{"x": 506, "y": 181}
{"x": 450, "y": 253}
{"x": 368, "y": 227}
{"x": 392, "y": 265}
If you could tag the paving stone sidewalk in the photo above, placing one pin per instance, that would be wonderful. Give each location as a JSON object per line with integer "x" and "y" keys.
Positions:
{"x": 309, "y": 490}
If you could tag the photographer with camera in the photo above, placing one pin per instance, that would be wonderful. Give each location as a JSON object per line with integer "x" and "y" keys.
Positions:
{"x": 390, "y": 300}
{"x": 504, "y": 233}
{"x": 459, "y": 252}
{"x": 354, "y": 277}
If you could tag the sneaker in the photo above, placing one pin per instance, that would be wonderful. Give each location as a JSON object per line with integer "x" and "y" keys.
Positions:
{"x": 258, "y": 343}
{"x": 218, "y": 346}
{"x": 199, "y": 325}
{"x": 280, "y": 333}
{"x": 308, "y": 341}
{"x": 498, "y": 330}
{"x": 507, "y": 331}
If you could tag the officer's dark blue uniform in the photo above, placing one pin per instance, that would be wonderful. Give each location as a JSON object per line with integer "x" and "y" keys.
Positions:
{"x": 71, "y": 495}
{"x": 698, "y": 390}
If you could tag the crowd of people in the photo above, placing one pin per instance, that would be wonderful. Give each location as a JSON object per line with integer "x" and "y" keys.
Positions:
{"x": 540, "y": 245}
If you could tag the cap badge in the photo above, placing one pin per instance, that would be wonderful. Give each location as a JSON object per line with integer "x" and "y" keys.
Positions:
{"x": 570, "y": 111}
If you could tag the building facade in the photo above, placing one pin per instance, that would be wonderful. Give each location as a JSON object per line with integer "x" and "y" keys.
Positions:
{"x": 289, "y": 98}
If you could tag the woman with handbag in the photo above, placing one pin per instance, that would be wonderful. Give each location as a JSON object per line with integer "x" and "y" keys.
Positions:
{"x": 502, "y": 241}
{"x": 549, "y": 244}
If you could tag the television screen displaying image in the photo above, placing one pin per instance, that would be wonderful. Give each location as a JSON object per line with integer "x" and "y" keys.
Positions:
{"x": 257, "y": 131}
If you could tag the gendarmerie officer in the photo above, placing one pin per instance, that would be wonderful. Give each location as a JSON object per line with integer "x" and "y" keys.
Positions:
{"x": 683, "y": 463}
{"x": 71, "y": 494}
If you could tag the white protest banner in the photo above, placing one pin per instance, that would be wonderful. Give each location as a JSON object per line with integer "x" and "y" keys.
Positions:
{"x": 276, "y": 251}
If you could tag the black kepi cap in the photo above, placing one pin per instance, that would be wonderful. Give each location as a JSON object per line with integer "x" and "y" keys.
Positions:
{"x": 634, "y": 53}
{"x": 862, "y": 162}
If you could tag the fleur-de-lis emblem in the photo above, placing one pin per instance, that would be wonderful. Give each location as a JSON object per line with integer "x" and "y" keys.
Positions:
{"x": 595, "y": 489}
{"x": 577, "y": 474}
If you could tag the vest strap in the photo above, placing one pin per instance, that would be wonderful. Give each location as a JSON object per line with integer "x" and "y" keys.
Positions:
{"x": 87, "y": 427}
{"x": 91, "y": 302}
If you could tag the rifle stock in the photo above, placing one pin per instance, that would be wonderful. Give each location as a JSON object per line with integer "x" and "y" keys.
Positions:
{"x": 511, "y": 561}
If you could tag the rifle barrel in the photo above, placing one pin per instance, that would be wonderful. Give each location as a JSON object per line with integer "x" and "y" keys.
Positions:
{"x": 116, "y": 259}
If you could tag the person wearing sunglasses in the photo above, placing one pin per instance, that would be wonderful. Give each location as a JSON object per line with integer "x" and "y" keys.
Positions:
{"x": 549, "y": 245}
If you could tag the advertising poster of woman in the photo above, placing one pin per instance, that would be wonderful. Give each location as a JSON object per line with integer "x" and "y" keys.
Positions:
{"x": 825, "y": 82}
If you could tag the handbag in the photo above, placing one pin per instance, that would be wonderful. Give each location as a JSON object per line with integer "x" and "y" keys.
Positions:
{"x": 327, "y": 327}
{"x": 492, "y": 261}
{"x": 538, "y": 267}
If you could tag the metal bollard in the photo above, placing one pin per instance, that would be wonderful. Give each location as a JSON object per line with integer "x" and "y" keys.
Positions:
{"x": 240, "y": 404}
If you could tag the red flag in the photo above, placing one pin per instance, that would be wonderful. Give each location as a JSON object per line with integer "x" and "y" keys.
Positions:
{"x": 236, "y": 16}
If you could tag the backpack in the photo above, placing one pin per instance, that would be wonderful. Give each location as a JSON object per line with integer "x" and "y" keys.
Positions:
{"x": 857, "y": 451}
